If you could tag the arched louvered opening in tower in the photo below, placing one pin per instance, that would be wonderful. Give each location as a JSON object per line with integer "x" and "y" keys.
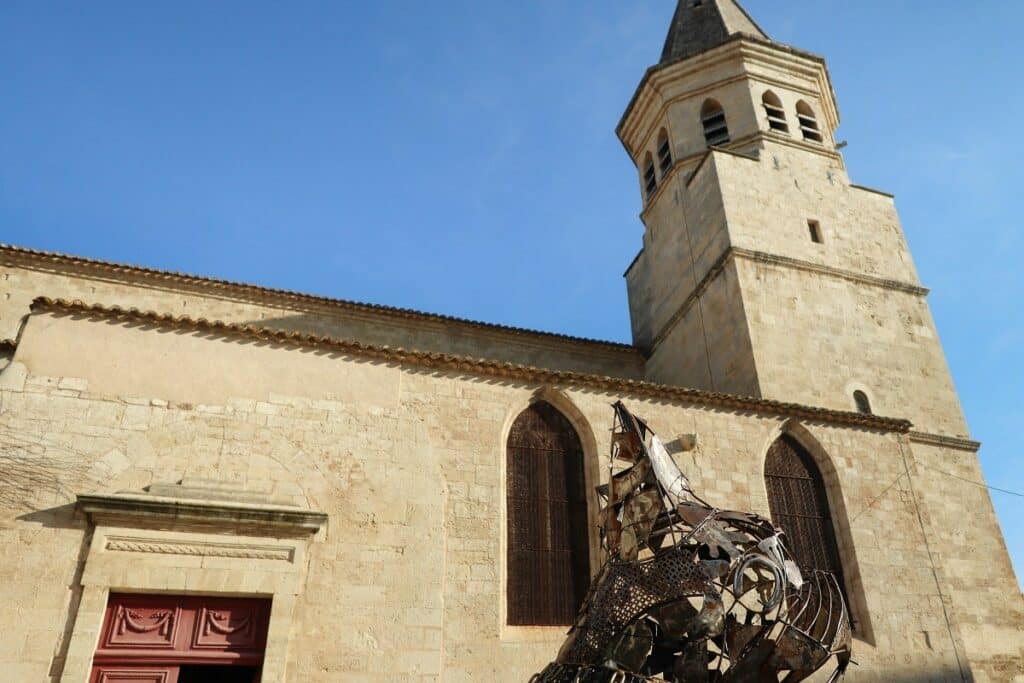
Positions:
{"x": 716, "y": 130}
{"x": 808, "y": 122}
{"x": 650, "y": 176}
{"x": 664, "y": 152}
{"x": 548, "y": 535}
{"x": 776, "y": 114}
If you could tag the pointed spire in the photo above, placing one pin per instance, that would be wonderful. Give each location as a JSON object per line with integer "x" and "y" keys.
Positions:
{"x": 700, "y": 25}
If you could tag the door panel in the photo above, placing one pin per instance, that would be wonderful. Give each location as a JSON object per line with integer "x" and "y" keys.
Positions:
{"x": 107, "y": 674}
{"x": 181, "y": 639}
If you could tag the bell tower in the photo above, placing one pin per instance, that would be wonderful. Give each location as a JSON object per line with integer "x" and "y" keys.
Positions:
{"x": 764, "y": 270}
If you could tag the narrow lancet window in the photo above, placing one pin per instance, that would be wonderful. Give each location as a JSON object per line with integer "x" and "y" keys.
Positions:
{"x": 548, "y": 539}
{"x": 776, "y": 114}
{"x": 808, "y": 122}
{"x": 862, "y": 402}
{"x": 664, "y": 153}
{"x": 716, "y": 131}
{"x": 650, "y": 176}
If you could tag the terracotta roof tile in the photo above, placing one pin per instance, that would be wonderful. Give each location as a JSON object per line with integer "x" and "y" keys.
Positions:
{"x": 265, "y": 293}
{"x": 479, "y": 367}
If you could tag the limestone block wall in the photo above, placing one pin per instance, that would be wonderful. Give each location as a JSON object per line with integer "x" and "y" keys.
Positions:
{"x": 769, "y": 200}
{"x": 26, "y": 275}
{"x": 405, "y": 583}
{"x": 973, "y": 563}
{"x": 685, "y": 303}
{"x": 817, "y": 339}
{"x": 685, "y": 237}
{"x": 708, "y": 345}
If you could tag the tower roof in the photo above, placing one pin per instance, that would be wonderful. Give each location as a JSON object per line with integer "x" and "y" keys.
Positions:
{"x": 700, "y": 25}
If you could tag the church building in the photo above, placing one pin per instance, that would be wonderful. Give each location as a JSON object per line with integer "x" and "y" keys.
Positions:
{"x": 206, "y": 480}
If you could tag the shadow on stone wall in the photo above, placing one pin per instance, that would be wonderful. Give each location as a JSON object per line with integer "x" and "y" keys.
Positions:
{"x": 65, "y": 517}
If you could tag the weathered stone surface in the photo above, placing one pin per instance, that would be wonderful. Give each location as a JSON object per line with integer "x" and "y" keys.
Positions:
{"x": 407, "y": 573}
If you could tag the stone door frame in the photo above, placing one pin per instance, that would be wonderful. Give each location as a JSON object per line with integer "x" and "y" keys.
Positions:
{"x": 128, "y": 555}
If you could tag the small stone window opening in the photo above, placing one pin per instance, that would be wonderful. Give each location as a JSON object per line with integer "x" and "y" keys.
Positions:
{"x": 650, "y": 176}
{"x": 664, "y": 153}
{"x": 776, "y": 114}
{"x": 814, "y": 227}
{"x": 716, "y": 131}
{"x": 696, "y": 3}
{"x": 808, "y": 122}
{"x": 862, "y": 402}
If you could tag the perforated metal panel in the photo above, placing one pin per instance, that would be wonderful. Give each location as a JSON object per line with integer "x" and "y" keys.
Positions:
{"x": 548, "y": 539}
{"x": 799, "y": 505}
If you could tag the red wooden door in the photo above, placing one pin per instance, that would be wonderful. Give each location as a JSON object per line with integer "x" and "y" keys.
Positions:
{"x": 149, "y": 638}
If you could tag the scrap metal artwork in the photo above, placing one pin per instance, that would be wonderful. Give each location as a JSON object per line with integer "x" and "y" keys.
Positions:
{"x": 693, "y": 594}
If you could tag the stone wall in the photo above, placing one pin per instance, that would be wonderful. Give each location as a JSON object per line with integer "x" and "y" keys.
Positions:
{"x": 405, "y": 583}
{"x": 970, "y": 555}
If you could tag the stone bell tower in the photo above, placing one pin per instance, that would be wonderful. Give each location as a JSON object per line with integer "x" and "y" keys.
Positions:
{"x": 764, "y": 270}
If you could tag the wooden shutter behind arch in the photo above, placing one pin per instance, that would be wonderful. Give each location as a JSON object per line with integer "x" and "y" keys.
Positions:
{"x": 548, "y": 536}
{"x": 799, "y": 504}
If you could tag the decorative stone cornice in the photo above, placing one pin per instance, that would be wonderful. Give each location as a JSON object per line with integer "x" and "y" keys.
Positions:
{"x": 884, "y": 283}
{"x": 470, "y": 366}
{"x": 52, "y": 261}
{"x": 873, "y": 190}
{"x": 154, "y": 512}
{"x": 741, "y": 45}
{"x": 942, "y": 441}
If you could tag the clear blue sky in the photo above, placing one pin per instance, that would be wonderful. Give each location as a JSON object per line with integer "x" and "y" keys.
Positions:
{"x": 458, "y": 156}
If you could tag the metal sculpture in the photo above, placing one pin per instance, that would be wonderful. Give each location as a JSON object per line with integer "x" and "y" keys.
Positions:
{"x": 693, "y": 594}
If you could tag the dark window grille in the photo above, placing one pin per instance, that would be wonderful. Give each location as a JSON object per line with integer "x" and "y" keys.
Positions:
{"x": 548, "y": 539}
{"x": 799, "y": 505}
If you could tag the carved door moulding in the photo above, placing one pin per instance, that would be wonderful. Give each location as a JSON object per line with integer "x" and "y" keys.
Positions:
{"x": 237, "y": 548}
{"x": 148, "y": 638}
{"x": 241, "y": 551}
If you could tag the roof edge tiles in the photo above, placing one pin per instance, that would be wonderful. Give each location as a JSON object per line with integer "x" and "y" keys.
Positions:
{"x": 260, "y": 292}
{"x": 479, "y": 367}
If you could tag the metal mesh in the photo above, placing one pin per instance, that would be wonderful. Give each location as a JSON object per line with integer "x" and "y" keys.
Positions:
{"x": 626, "y": 592}
{"x": 799, "y": 505}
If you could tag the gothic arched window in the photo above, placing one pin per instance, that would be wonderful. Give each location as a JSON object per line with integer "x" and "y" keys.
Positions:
{"x": 716, "y": 131}
{"x": 650, "y": 176}
{"x": 862, "y": 402}
{"x": 548, "y": 539}
{"x": 664, "y": 152}
{"x": 808, "y": 122}
{"x": 799, "y": 505}
{"x": 776, "y": 114}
